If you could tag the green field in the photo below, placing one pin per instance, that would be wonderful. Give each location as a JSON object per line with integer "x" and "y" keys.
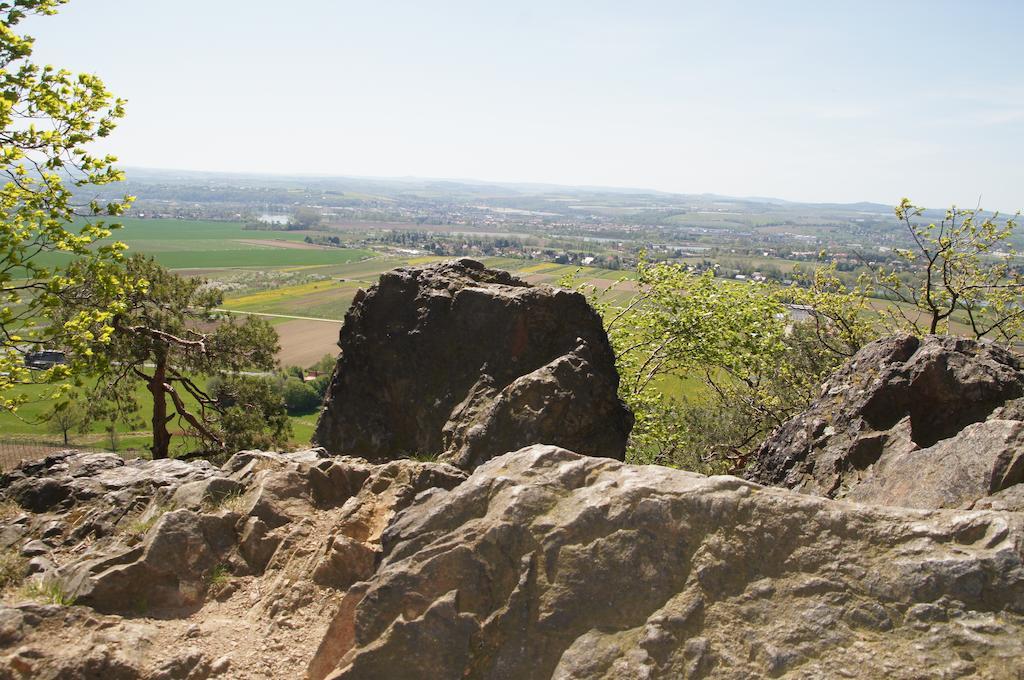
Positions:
{"x": 205, "y": 244}
{"x": 275, "y": 272}
{"x": 30, "y": 423}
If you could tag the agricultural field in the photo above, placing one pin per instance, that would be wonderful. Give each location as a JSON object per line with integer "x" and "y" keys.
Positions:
{"x": 201, "y": 244}
{"x": 303, "y": 290}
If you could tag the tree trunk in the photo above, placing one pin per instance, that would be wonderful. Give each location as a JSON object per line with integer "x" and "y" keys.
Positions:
{"x": 65, "y": 437}
{"x": 161, "y": 437}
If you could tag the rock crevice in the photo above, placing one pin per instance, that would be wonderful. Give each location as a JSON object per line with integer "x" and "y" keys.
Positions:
{"x": 936, "y": 422}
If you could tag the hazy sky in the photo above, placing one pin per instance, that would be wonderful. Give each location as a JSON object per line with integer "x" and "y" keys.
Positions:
{"x": 820, "y": 101}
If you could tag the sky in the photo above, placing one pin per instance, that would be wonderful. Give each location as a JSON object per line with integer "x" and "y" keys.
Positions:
{"x": 807, "y": 101}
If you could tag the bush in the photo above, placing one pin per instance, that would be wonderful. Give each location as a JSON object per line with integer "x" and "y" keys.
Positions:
{"x": 757, "y": 367}
{"x": 253, "y": 412}
{"x": 299, "y": 397}
{"x": 320, "y": 386}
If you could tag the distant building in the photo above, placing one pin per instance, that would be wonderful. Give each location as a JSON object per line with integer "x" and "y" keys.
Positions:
{"x": 799, "y": 312}
{"x": 45, "y": 358}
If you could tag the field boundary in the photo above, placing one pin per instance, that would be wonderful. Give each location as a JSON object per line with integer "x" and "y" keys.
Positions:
{"x": 15, "y": 451}
{"x": 281, "y": 316}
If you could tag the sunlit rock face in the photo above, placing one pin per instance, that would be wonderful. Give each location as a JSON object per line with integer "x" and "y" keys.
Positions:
{"x": 546, "y": 564}
{"x": 936, "y": 422}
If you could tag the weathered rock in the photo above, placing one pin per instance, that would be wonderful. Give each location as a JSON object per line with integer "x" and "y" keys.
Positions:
{"x": 565, "y": 396}
{"x": 268, "y": 541}
{"x": 345, "y": 561}
{"x": 352, "y": 552}
{"x": 930, "y": 423}
{"x": 545, "y": 564}
{"x": 212, "y": 491}
{"x": 103, "y": 653}
{"x": 99, "y": 490}
{"x": 169, "y": 570}
{"x": 466, "y": 360}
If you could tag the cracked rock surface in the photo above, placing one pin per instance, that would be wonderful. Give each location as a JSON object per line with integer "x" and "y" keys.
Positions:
{"x": 546, "y": 564}
{"x": 936, "y": 422}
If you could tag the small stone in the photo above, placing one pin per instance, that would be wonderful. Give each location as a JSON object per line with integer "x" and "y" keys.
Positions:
{"x": 33, "y": 548}
{"x": 40, "y": 565}
{"x": 221, "y": 665}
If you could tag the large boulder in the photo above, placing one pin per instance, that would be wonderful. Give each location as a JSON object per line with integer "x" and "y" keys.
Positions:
{"x": 545, "y": 564}
{"x": 469, "y": 362}
{"x": 936, "y": 422}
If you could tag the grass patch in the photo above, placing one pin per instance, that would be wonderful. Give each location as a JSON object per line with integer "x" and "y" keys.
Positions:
{"x": 48, "y": 591}
{"x": 232, "y": 502}
{"x": 218, "y": 579}
{"x": 423, "y": 457}
{"x": 9, "y": 510}
{"x": 137, "y": 529}
{"x": 13, "y": 568}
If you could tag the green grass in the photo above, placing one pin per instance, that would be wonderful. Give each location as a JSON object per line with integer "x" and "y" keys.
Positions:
{"x": 253, "y": 257}
{"x": 205, "y": 244}
{"x": 218, "y": 579}
{"x": 137, "y": 529}
{"x": 28, "y": 423}
{"x": 48, "y": 591}
{"x": 137, "y": 230}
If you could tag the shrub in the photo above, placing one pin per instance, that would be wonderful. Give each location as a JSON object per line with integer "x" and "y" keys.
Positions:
{"x": 299, "y": 397}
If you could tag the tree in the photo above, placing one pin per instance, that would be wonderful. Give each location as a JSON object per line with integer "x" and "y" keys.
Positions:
{"x": 305, "y": 218}
{"x": 66, "y": 416}
{"x": 300, "y": 397}
{"x": 843, "y": 319}
{"x": 963, "y": 266}
{"x": 169, "y": 336}
{"x": 253, "y": 414}
{"x": 49, "y": 118}
{"x": 325, "y": 365}
{"x": 756, "y": 367}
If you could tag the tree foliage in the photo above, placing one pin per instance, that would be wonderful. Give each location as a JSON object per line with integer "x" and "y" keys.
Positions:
{"x": 300, "y": 397}
{"x": 252, "y": 412}
{"x": 49, "y": 119}
{"x": 759, "y": 362}
{"x": 758, "y": 368}
{"x": 168, "y": 335}
{"x": 964, "y": 267}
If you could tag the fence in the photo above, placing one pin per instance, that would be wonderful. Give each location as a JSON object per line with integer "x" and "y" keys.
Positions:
{"x": 13, "y": 451}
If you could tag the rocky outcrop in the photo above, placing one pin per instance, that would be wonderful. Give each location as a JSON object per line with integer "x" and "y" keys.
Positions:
{"x": 936, "y": 422}
{"x": 546, "y": 564}
{"x": 262, "y": 546}
{"x": 468, "y": 362}
{"x": 542, "y": 564}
